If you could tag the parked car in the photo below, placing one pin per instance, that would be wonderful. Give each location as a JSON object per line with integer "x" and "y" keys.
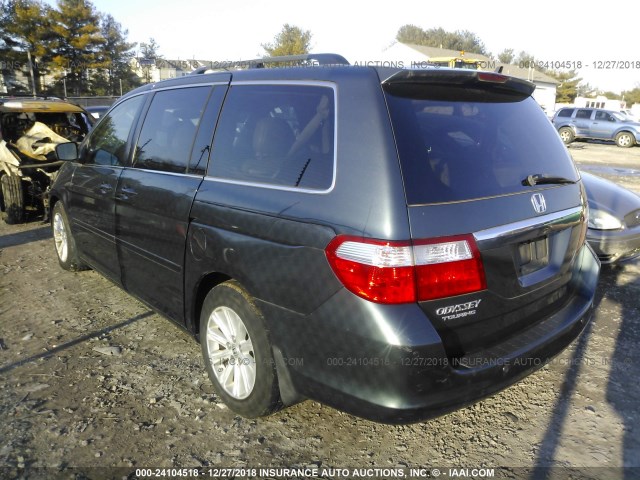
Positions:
{"x": 631, "y": 115}
{"x": 393, "y": 243}
{"x": 97, "y": 111}
{"x": 30, "y": 128}
{"x": 614, "y": 219}
{"x": 596, "y": 123}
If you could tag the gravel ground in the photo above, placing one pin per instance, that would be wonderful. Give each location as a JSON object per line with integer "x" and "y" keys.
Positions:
{"x": 94, "y": 385}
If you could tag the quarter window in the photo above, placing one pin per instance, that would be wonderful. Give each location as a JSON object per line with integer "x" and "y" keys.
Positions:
{"x": 108, "y": 142}
{"x": 567, "y": 112}
{"x": 202, "y": 145}
{"x": 169, "y": 128}
{"x": 604, "y": 116}
{"x": 276, "y": 134}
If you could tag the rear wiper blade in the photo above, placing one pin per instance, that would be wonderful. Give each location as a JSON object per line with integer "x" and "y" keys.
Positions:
{"x": 544, "y": 179}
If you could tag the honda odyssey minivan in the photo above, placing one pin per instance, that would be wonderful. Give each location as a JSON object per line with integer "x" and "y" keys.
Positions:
{"x": 393, "y": 243}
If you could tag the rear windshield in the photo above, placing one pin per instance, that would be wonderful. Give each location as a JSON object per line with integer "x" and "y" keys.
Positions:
{"x": 461, "y": 150}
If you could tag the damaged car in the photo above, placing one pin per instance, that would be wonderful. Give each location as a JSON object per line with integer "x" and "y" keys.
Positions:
{"x": 30, "y": 129}
{"x": 614, "y": 219}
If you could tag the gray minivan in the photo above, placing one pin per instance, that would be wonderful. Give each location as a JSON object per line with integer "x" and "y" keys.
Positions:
{"x": 393, "y": 243}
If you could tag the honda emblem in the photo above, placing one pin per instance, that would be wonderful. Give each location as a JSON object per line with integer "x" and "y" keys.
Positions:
{"x": 539, "y": 203}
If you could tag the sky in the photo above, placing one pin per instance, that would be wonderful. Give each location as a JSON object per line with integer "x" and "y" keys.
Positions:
{"x": 606, "y": 44}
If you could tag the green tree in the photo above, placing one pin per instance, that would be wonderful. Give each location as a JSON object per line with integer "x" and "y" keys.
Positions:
{"x": 526, "y": 60}
{"x": 25, "y": 38}
{"x": 77, "y": 44}
{"x": 507, "y": 56}
{"x": 411, "y": 34}
{"x": 586, "y": 90}
{"x": 6, "y": 17}
{"x": 462, "y": 40}
{"x": 149, "y": 51}
{"x": 290, "y": 41}
{"x": 612, "y": 95}
{"x": 632, "y": 96}
{"x": 116, "y": 55}
{"x": 148, "y": 57}
{"x": 567, "y": 89}
{"x": 6, "y": 64}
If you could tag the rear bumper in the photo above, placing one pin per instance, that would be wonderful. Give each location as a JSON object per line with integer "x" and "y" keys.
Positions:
{"x": 388, "y": 364}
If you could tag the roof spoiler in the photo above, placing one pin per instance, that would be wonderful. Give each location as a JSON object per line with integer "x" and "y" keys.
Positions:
{"x": 309, "y": 59}
{"x": 415, "y": 80}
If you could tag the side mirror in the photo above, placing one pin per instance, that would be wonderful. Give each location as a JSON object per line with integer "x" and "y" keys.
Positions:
{"x": 67, "y": 151}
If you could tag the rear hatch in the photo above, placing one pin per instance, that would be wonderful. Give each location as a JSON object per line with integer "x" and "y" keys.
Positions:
{"x": 493, "y": 196}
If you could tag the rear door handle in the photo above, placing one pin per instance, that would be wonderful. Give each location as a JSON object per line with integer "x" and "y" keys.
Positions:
{"x": 126, "y": 193}
{"x": 104, "y": 188}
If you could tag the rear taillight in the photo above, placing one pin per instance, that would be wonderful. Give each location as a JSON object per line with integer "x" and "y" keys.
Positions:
{"x": 405, "y": 272}
{"x": 448, "y": 266}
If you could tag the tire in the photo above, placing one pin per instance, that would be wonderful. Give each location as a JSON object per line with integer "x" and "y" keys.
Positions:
{"x": 13, "y": 198}
{"x": 625, "y": 139}
{"x": 237, "y": 352}
{"x": 567, "y": 135}
{"x": 63, "y": 240}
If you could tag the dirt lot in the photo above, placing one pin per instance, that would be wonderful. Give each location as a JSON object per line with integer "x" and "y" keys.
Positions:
{"x": 94, "y": 385}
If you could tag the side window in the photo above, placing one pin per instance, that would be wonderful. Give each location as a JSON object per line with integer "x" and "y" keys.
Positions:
{"x": 107, "y": 144}
{"x": 276, "y": 134}
{"x": 584, "y": 114}
{"x": 168, "y": 130}
{"x": 567, "y": 112}
{"x": 202, "y": 144}
{"x": 604, "y": 116}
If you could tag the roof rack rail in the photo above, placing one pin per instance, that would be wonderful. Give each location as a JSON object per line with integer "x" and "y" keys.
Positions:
{"x": 309, "y": 59}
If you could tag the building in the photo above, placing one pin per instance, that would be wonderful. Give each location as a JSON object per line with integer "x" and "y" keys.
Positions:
{"x": 600, "y": 101}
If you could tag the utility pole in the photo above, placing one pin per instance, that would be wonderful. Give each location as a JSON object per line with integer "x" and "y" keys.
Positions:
{"x": 33, "y": 79}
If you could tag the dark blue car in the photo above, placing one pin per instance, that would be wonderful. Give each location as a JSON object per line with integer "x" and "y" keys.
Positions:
{"x": 393, "y": 243}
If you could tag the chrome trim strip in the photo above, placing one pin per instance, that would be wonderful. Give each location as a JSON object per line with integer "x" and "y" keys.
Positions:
{"x": 162, "y": 172}
{"x": 524, "y": 225}
{"x": 173, "y": 87}
{"x": 188, "y": 85}
{"x": 310, "y": 83}
{"x": 122, "y": 99}
{"x": 270, "y": 186}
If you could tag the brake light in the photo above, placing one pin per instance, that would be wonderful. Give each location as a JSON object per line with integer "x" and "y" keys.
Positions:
{"x": 492, "y": 77}
{"x": 405, "y": 272}
{"x": 448, "y": 266}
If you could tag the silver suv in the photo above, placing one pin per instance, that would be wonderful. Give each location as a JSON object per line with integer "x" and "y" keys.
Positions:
{"x": 573, "y": 123}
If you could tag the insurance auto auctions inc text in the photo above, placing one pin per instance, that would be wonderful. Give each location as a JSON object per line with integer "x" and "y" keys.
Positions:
{"x": 348, "y": 473}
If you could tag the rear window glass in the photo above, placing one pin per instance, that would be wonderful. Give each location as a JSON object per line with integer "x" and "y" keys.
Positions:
{"x": 456, "y": 151}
